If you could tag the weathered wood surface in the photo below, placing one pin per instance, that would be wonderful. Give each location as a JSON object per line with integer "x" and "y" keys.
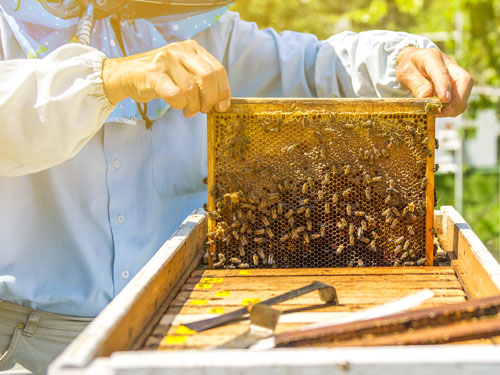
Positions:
{"x": 226, "y": 290}
{"x": 478, "y": 269}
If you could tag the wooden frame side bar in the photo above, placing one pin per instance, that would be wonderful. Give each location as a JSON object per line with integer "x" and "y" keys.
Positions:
{"x": 121, "y": 322}
{"x": 480, "y": 270}
{"x": 429, "y": 192}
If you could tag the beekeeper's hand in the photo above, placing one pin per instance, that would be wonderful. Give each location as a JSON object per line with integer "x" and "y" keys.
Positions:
{"x": 183, "y": 74}
{"x": 429, "y": 72}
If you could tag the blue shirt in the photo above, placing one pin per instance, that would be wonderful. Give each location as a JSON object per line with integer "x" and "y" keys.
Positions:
{"x": 87, "y": 199}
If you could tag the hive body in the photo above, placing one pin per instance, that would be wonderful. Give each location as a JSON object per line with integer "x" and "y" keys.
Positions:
{"x": 321, "y": 183}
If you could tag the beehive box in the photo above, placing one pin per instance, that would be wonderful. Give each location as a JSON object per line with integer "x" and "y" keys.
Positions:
{"x": 321, "y": 183}
{"x": 148, "y": 314}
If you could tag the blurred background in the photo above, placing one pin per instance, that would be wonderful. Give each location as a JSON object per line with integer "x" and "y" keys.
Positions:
{"x": 467, "y": 30}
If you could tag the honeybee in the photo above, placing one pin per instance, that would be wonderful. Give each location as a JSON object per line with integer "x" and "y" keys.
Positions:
{"x": 242, "y": 251}
{"x": 397, "y": 264}
{"x": 315, "y": 236}
{"x": 327, "y": 208}
{"x": 309, "y": 225}
{"x": 368, "y": 194}
{"x": 322, "y": 230}
{"x": 347, "y": 169}
{"x": 343, "y": 221}
{"x": 339, "y": 250}
{"x": 261, "y": 253}
{"x": 235, "y": 261}
{"x": 243, "y": 228}
{"x": 399, "y": 240}
{"x": 424, "y": 182}
{"x": 395, "y": 211}
{"x": 346, "y": 192}
{"x": 377, "y": 153}
{"x": 364, "y": 225}
{"x": 304, "y": 188}
{"x": 348, "y": 210}
{"x": 307, "y": 213}
{"x": 436, "y": 143}
{"x": 221, "y": 257}
{"x": 388, "y": 199}
{"x": 360, "y": 232}
{"x": 235, "y": 235}
{"x": 359, "y": 213}
{"x": 388, "y": 220}
{"x": 351, "y": 240}
{"x": 385, "y": 153}
{"x": 304, "y": 202}
{"x": 280, "y": 208}
{"x": 284, "y": 238}
{"x": 219, "y": 264}
{"x": 367, "y": 155}
{"x": 301, "y": 210}
{"x": 352, "y": 228}
{"x": 289, "y": 214}
{"x": 269, "y": 233}
{"x": 310, "y": 181}
{"x": 270, "y": 259}
{"x": 360, "y": 153}
{"x": 425, "y": 140}
{"x": 375, "y": 235}
{"x": 291, "y": 222}
{"x": 273, "y": 196}
{"x": 255, "y": 259}
{"x": 258, "y": 240}
{"x": 406, "y": 245}
{"x": 364, "y": 240}
{"x": 265, "y": 221}
{"x": 410, "y": 230}
{"x": 360, "y": 263}
{"x": 373, "y": 245}
{"x": 243, "y": 241}
{"x": 436, "y": 167}
{"x": 244, "y": 265}
{"x": 205, "y": 207}
{"x": 334, "y": 171}
{"x": 274, "y": 214}
{"x": 260, "y": 232}
{"x": 275, "y": 178}
{"x": 394, "y": 223}
{"x": 326, "y": 179}
{"x": 377, "y": 179}
{"x": 340, "y": 226}
{"x": 281, "y": 189}
{"x": 349, "y": 125}
{"x": 367, "y": 178}
{"x": 306, "y": 237}
{"x": 386, "y": 212}
{"x": 335, "y": 198}
{"x": 210, "y": 242}
{"x": 421, "y": 262}
{"x": 300, "y": 229}
{"x": 321, "y": 195}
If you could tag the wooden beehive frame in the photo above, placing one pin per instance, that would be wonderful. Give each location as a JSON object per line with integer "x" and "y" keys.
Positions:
{"x": 350, "y": 106}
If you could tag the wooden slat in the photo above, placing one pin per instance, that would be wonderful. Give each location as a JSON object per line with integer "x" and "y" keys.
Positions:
{"x": 122, "y": 321}
{"x": 480, "y": 271}
{"x": 429, "y": 191}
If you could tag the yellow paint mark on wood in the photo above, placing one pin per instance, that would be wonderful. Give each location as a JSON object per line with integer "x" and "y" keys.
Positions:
{"x": 198, "y": 302}
{"x": 250, "y": 301}
{"x": 223, "y": 293}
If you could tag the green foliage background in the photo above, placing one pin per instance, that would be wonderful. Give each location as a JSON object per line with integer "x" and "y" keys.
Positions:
{"x": 480, "y": 56}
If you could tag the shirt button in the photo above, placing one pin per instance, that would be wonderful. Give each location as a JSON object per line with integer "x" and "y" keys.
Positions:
{"x": 125, "y": 274}
{"x": 121, "y": 219}
{"x": 116, "y": 164}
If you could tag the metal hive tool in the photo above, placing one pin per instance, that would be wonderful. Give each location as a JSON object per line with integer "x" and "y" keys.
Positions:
{"x": 321, "y": 183}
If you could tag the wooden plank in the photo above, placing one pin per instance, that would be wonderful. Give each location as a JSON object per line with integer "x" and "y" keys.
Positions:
{"x": 481, "y": 272}
{"x": 325, "y": 271}
{"x": 443, "y": 360}
{"x": 121, "y": 322}
{"x": 429, "y": 190}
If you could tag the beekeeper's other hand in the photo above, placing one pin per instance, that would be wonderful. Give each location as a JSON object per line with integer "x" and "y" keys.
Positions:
{"x": 429, "y": 72}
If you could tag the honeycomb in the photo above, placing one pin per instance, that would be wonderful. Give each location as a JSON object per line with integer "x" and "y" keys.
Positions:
{"x": 321, "y": 183}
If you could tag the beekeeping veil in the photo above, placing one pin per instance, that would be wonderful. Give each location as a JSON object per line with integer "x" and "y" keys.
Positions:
{"x": 115, "y": 27}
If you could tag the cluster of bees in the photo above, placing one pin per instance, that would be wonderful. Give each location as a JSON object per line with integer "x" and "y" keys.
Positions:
{"x": 296, "y": 193}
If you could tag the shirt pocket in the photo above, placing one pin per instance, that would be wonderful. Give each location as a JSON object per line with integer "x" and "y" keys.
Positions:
{"x": 179, "y": 153}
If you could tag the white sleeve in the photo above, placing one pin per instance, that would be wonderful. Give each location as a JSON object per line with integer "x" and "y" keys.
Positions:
{"x": 50, "y": 108}
{"x": 292, "y": 64}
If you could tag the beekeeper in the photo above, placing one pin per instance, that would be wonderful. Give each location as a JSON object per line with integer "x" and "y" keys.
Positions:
{"x": 103, "y": 136}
